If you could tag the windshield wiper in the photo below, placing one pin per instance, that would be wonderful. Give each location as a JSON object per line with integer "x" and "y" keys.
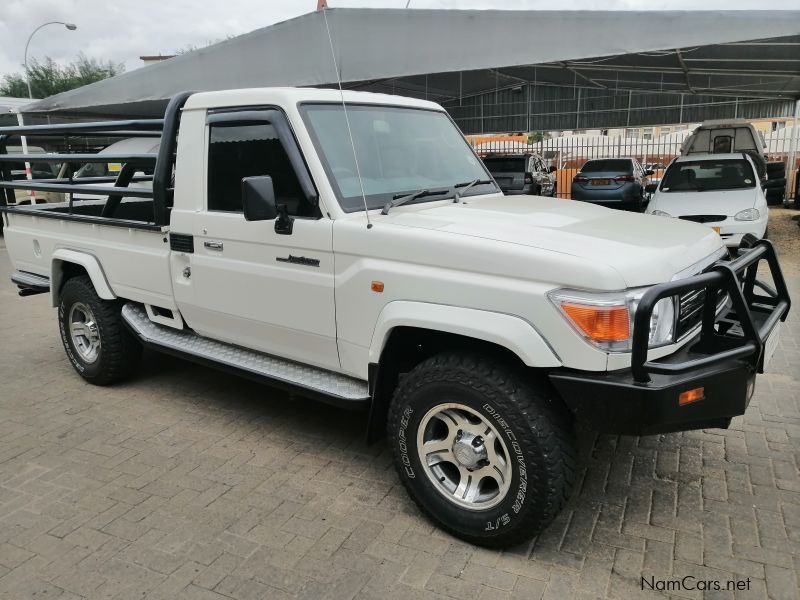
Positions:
{"x": 401, "y": 199}
{"x": 467, "y": 185}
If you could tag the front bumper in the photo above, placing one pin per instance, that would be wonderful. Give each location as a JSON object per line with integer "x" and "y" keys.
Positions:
{"x": 722, "y": 360}
{"x": 614, "y": 403}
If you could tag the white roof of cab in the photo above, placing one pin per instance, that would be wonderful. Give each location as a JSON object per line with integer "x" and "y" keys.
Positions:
{"x": 286, "y": 96}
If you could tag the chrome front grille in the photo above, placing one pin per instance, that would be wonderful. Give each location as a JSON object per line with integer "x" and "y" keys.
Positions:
{"x": 690, "y": 311}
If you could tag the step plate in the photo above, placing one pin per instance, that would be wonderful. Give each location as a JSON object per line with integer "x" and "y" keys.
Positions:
{"x": 296, "y": 374}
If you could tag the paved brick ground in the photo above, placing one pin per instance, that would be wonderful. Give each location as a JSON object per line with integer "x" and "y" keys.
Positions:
{"x": 187, "y": 483}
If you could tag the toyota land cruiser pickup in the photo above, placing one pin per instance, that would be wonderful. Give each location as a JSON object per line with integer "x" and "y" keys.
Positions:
{"x": 354, "y": 248}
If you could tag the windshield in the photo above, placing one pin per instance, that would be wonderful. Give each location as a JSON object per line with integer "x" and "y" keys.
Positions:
{"x": 608, "y": 165}
{"x": 505, "y": 165}
{"x": 400, "y": 151}
{"x": 705, "y": 175}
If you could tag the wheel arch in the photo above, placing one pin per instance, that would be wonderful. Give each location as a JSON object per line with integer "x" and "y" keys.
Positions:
{"x": 65, "y": 264}
{"x": 409, "y": 332}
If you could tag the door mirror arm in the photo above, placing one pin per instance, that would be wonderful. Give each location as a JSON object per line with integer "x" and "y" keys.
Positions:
{"x": 284, "y": 223}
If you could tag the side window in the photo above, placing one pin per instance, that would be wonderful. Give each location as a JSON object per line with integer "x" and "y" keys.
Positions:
{"x": 246, "y": 150}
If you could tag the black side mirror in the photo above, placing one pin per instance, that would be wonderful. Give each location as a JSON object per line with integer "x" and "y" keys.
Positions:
{"x": 651, "y": 188}
{"x": 649, "y": 172}
{"x": 552, "y": 169}
{"x": 258, "y": 198}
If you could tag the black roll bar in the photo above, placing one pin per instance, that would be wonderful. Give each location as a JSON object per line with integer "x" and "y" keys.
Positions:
{"x": 162, "y": 162}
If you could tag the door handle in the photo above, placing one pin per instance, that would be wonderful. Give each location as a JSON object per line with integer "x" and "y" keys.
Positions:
{"x": 213, "y": 245}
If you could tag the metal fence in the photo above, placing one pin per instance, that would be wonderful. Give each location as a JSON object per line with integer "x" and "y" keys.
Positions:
{"x": 568, "y": 153}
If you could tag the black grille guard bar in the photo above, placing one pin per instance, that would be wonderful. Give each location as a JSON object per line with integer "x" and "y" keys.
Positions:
{"x": 738, "y": 279}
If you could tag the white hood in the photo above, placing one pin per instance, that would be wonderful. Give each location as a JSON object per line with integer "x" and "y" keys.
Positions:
{"x": 723, "y": 202}
{"x": 644, "y": 249}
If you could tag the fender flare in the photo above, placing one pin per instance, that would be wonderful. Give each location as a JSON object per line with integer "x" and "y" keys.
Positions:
{"x": 88, "y": 261}
{"x": 512, "y": 332}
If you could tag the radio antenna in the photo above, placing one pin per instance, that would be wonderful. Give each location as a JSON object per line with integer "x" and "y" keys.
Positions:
{"x": 346, "y": 117}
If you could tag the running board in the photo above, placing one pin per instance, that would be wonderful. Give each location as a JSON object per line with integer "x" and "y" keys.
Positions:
{"x": 30, "y": 283}
{"x": 330, "y": 387}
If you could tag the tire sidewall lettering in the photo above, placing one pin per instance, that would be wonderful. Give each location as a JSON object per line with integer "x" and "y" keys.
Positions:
{"x": 402, "y": 442}
{"x": 517, "y": 457}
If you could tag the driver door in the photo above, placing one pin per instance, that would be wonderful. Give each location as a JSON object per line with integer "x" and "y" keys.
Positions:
{"x": 249, "y": 284}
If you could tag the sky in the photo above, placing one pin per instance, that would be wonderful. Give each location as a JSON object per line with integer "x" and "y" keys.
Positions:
{"x": 121, "y": 30}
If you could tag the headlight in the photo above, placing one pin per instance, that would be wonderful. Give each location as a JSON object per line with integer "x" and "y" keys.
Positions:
{"x": 748, "y": 214}
{"x": 605, "y": 319}
{"x": 660, "y": 213}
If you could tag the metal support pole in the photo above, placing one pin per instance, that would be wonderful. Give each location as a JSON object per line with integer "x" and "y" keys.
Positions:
{"x": 24, "y": 142}
{"x": 790, "y": 167}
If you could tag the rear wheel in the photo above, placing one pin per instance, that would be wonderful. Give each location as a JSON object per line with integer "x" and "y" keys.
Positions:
{"x": 96, "y": 341}
{"x": 481, "y": 451}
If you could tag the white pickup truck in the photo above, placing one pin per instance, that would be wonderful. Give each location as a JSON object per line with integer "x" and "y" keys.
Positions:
{"x": 476, "y": 328}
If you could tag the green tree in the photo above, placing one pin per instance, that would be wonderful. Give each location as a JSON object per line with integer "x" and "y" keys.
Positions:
{"x": 48, "y": 77}
{"x": 534, "y": 137}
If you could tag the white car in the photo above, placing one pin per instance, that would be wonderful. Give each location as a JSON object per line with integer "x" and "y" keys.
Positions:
{"x": 721, "y": 191}
{"x": 100, "y": 171}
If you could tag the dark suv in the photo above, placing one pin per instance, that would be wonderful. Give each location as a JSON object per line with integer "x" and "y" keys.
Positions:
{"x": 522, "y": 174}
{"x": 612, "y": 182}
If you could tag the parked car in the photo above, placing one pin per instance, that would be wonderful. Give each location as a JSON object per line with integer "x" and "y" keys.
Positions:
{"x": 612, "y": 182}
{"x": 721, "y": 191}
{"x": 523, "y": 174}
{"x": 736, "y": 136}
{"x": 476, "y": 329}
{"x": 106, "y": 170}
{"x": 38, "y": 171}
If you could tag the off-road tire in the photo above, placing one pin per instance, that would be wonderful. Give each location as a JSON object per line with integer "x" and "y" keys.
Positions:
{"x": 538, "y": 432}
{"x": 119, "y": 352}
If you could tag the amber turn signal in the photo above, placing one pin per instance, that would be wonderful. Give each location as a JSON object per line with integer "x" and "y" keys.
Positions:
{"x": 600, "y": 323}
{"x": 377, "y": 286}
{"x": 691, "y": 396}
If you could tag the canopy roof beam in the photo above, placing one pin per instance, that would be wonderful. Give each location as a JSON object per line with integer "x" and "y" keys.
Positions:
{"x": 685, "y": 69}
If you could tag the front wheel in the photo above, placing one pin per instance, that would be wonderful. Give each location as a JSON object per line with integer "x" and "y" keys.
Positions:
{"x": 483, "y": 452}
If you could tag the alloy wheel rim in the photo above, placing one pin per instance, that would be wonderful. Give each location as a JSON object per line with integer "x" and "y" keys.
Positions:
{"x": 464, "y": 457}
{"x": 84, "y": 332}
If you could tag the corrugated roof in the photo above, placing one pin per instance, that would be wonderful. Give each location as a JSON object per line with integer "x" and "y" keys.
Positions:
{"x": 449, "y": 54}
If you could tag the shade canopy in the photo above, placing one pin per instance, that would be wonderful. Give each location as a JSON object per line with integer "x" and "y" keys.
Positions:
{"x": 444, "y": 55}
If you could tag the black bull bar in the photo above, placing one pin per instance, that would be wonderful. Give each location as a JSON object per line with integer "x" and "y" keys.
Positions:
{"x": 718, "y": 365}
{"x": 756, "y": 314}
